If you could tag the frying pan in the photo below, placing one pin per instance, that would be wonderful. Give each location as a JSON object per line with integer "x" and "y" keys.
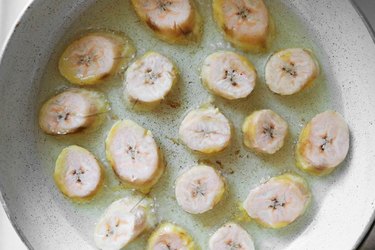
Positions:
{"x": 345, "y": 208}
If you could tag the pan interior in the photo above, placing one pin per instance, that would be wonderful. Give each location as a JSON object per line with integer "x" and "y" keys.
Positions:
{"x": 243, "y": 169}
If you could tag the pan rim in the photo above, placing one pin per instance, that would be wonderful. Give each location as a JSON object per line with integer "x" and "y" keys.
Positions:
{"x": 371, "y": 224}
{"x": 7, "y": 39}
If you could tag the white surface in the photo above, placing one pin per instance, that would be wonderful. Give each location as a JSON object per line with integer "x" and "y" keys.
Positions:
{"x": 9, "y": 239}
{"x": 10, "y": 10}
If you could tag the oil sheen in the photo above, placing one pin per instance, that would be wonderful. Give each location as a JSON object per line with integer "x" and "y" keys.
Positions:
{"x": 242, "y": 168}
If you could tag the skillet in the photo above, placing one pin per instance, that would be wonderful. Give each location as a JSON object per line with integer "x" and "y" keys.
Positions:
{"x": 341, "y": 216}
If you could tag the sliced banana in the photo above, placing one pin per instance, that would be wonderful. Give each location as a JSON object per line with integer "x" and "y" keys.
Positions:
{"x": 206, "y": 130}
{"x": 174, "y": 21}
{"x": 96, "y": 57}
{"x": 323, "y": 143}
{"x": 78, "y": 174}
{"x": 291, "y": 70}
{"x": 245, "y": 23}
{"x": 170, "y": 237}
{"x": 72, "y": 111}
{"x": 265, "y": 131}
{"x": 228, "y": 75}
{"x": 199, "y": 189}
{"x": 149, "y": 79}
{"x": 134, "y": 155}
{"x": 123, "y": 221}
{"x": 279, "y": 201}
{"x": 231, "y": 236}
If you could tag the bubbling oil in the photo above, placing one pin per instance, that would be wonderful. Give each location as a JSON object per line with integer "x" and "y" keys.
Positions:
{"x": 242, "y": 169}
